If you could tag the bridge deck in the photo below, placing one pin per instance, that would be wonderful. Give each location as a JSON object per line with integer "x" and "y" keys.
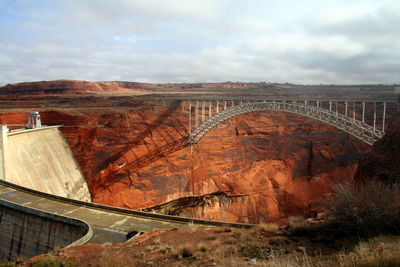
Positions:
{"x": 109, "y": 224}
{"x": 389, "y": 98}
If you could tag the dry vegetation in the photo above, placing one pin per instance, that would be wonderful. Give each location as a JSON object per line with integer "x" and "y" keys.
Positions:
{"x": 365, "y": 210}
{"x": 361, "y": 228}
{"x": 278, "y": 251}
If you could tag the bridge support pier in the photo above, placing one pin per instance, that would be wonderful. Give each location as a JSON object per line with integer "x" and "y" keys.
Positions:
{"x": 384, "y": 114}
{"x": 363, "y": 112}
{"x": 337, "y": 111}
{"x": 202, "y": 111}
{"x": 374, "y": 117}
{"x": 190, "y": 116}
{"x": 196, "y": 115}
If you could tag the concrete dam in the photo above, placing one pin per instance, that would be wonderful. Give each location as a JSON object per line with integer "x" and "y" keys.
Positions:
{"x": 45, "y": 201}
{"x": 41, "y": 159}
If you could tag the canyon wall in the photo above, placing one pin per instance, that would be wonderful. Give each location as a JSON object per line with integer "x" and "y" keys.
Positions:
{"x": 254, "y": 167}
{"x": 383, "y": 162}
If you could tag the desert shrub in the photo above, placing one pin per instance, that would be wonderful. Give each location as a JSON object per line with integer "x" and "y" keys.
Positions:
{"x": 165, "y": 250}
{"x": 211, "y": 237}
{"x": 276, "y": 247}
{"x": 256, "y": 251}
{"x": 269, "y": 227}
{"x": 295, "y": 222}
{"x": 184, "y": 252}
{"x": 365, "y": 254}
{"x": 384, "y": 252}
{"x": 280, "y": 245}
{"x": 365, "y": 209}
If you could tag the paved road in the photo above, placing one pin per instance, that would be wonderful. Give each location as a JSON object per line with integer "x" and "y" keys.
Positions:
{"x": 109, "y": 224}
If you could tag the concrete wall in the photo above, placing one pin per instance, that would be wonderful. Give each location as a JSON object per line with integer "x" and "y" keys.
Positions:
{"x": 41, "y": 159}
{"x": 25, "y": 233}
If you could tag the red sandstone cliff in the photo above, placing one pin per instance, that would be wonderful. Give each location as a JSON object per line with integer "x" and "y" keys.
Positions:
{"x": 254, "y": 167}
{"x": 383, "y": 163}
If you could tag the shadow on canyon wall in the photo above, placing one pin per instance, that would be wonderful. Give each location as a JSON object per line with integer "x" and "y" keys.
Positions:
{"x": 172, "y": 142}
{"x": 152, "y": 156}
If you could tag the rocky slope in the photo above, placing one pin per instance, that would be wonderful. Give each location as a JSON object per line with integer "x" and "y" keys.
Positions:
{"x": 383, "y": 163}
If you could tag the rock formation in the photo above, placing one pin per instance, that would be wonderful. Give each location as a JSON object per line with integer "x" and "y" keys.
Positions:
{"x": 383, "y": 163}
{"x": 255, "y": 167}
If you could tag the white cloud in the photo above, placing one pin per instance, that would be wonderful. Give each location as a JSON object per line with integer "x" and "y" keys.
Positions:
{"x": 201, "y": 40}
{"x": 5, "y": 61}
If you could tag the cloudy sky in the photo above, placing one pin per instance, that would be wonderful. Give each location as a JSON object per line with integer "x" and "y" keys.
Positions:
{"x": 298, "y": 41}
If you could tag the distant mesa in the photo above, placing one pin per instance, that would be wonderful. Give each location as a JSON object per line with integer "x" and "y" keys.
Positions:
{"x": 74, "y": 87}
{"x": 71, "y": 87}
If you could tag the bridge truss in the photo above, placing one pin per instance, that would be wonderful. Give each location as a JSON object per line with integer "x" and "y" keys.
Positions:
{"x": 342, "y": 114}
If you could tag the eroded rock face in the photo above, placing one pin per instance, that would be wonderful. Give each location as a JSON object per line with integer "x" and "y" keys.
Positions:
{"x": 255, "y": 167}
{"x": 383, "y": 162}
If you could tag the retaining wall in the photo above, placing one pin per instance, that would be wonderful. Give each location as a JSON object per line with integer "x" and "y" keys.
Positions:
{"x": 26, "y": 232}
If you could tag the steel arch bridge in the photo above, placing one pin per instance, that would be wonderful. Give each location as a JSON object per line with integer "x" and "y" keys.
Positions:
{"x": 360, "y": 123}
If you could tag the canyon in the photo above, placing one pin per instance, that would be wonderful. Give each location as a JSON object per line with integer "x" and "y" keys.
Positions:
{"x": 126, "y": 145}
{"x": 257, "y": 167}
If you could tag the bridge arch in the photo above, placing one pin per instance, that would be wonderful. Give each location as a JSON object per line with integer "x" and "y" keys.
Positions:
{"x": 356, "y": 128}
